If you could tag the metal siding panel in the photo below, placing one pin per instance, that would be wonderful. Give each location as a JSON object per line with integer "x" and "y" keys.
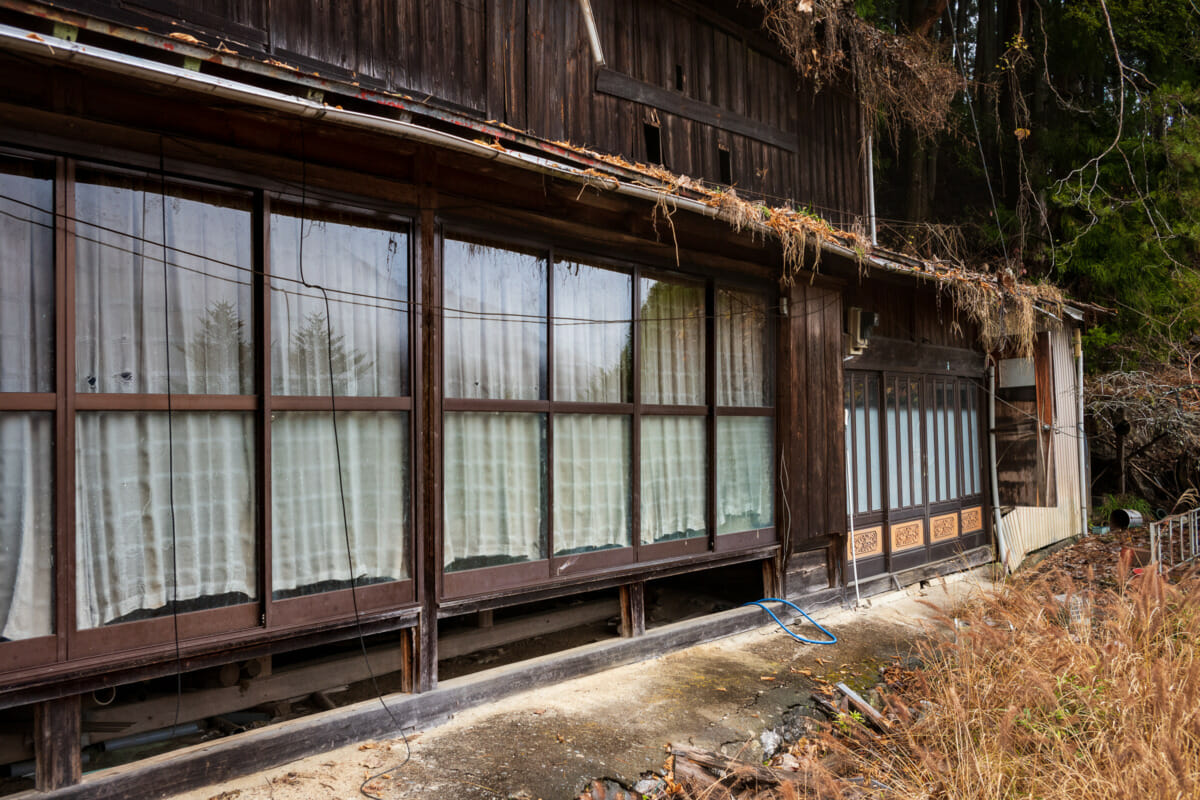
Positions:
{"x": 1028, "y": 528}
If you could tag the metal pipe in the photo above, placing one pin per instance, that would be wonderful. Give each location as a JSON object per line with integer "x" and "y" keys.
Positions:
{"x": 871, "y": 186}
{"x": 1001, "y": 542}
{"x": 1084, "y": 484}
{"x": 589, "y": 21}
{"x": 18, "y": 40}
{"x": 40, "y": 45}
{"x": 850, "y": 513}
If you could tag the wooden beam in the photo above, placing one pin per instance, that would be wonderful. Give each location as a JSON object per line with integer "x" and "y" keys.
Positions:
{"x": 56, "y": 727}
{"x": 524, "y": 627}
{"x": 606, "y": 580}
{"x": 161, "y": 712}
{"x": 16, "y": 744}
{"x": 633, "y": 609}
{"x": 896, "y": 355}
{"x": 771, "y": 578}
{"x": 204, "y": 764}
{"x": 623, "y": 86}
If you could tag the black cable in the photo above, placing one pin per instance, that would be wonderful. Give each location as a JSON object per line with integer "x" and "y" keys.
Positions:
{"x": 162, "y": 191}
{"x": 448, "y": 312}
{"x": 337, "y": 448}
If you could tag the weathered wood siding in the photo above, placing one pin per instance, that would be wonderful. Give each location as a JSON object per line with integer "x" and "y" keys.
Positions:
{"x": 1028, "y": 528}
{"x": 701, "y": 74}
{"x": 912, "y": 312}
{"x": 810, "y": 415}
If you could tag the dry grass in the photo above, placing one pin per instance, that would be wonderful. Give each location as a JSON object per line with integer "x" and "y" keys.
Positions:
{"x": 1094, "y": 696}
{"x": 907, "y": 80}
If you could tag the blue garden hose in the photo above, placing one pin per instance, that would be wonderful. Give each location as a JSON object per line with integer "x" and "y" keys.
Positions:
{"x": 786, "y": 629}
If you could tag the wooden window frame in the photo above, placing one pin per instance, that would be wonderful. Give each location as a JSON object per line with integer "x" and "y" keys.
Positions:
{"x": 922, "y": 459}
{"x": 261, "y": 619}
{"x": 514, "y": 578}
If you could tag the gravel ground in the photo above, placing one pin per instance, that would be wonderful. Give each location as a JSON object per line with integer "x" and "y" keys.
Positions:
{"x": 551, "y": 742}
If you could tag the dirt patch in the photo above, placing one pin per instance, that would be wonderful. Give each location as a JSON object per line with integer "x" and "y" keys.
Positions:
{"x": 551, "y": 742}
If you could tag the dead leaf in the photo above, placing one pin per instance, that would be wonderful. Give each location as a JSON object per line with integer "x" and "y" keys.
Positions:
{"x": 187, "y": 38}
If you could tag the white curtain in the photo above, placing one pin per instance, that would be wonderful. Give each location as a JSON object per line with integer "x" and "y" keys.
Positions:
{"x": 121, "y": 342}
{"x": 365, "y": 273}
{"x": 495, "y": 323}
{"x": 592, "y": 487}
{"x": 745, "y": 473}
{"x": 308, "y": 548}
{"x": 592, "y": 334}
{"x": 672, "y": 344}
{"x": 494, "y": 489}
{"x": 743, "y": 376}
{"x": 123, "y": 460}
{"x": 26, "y": 280}
{"x": 972, "y": 479}
{"x": 26, "y": 525}
{"x": 673, "y": 486}
{"x": 124, "y": 474}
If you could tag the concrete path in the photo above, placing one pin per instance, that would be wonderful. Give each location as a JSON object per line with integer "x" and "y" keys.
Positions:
{"x": 548, "y": 743}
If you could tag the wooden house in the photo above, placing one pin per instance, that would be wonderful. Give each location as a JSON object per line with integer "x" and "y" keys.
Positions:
{"x": 323, "y": 321}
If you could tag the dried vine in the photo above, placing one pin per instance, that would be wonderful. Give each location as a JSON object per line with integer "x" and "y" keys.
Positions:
{"x": 905, "y": 80}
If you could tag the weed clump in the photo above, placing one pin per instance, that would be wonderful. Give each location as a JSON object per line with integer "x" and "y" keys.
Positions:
{"x": 1087, "y": 694}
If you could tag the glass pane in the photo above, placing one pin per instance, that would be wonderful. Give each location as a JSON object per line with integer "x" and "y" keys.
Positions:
{"x": 495, "y": 328}
{"x": 896, "y": 461}
{"x": 593, "y": 335}
{"x": 674, "y": 490}
{"x": 672, "y": 345}
{"x": 943, "y": 492}
{"x": 364, "y": 269}
{"x": 133, "y": 320}
{"x": 745, "y": 473}
{"x": 918, "y": 472}
{"x": 309, "y": 551}
{"x": 875, "y": 465}
{"x": 970, "y": 436}
{"x": 952, "y": 441}
{"x": 495, "y": 493}
{"x": 907, "y": 465}
{"x": 26, "y": 275}
{"x": 125, "y": 466}
{"x": 743, "y": 350}
{"x": 26, "y": 525}
{"x": 862, "y": 464}
{"x": 592, "y": 484}
{"x": 851, "y": 452}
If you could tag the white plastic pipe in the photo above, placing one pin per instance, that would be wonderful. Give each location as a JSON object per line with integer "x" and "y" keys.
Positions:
{"x": 850, "y": 513}
{"x": 589, "y": 21}
{"x": 1001, "y": 542}
{"x": 1084, "y": 485}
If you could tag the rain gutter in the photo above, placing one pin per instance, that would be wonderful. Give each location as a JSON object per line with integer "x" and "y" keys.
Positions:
{"x": 41, "y": 45}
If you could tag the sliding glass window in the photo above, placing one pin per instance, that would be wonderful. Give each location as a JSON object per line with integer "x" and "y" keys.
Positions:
{"x": 672, "y": 316}
{"x": 165, "y": 501}
{"x": 495, "y": 366}
{"x": 27, "y": 403}
{"x": 745, "y": 417}
{"x": 340, "y": 340}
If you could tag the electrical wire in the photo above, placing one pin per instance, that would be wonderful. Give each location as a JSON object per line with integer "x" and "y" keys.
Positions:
{"x": 337, "y": 447}
{"x": 378, "y": 301}
{"x": 978, "y": 136}
{"x": 170, "y": 437}
{"x": 762, "y": 604}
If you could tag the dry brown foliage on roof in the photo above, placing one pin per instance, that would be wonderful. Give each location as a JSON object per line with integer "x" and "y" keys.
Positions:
{"x": 1004, "y": 309}
{"x": 905, "y": 79}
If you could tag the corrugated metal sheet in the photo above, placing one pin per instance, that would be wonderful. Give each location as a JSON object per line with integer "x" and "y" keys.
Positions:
{"x": 1027, "y": 528}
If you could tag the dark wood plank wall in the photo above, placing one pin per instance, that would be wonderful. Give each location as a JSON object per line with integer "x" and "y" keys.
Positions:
{"x": 811, "y": 413}
{"x": 528, "y": 63}
{"x": 913, "y": 312}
